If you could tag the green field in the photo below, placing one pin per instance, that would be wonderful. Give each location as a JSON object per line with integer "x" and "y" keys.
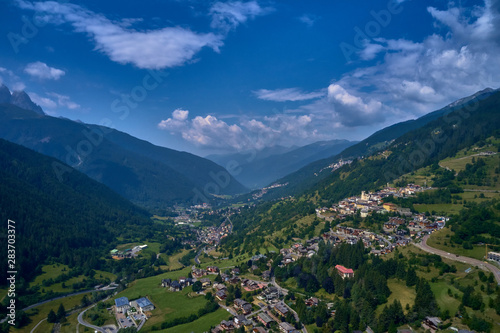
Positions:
{"x": 55, "y": 270}
{"x": 441, "y": 240}
{"x": 399, "y": 291}
{"x": 201, "y": 325}
{"x": 169, "y": 305}
{"x": 446, "y": 209}
{"x": 43, "y": 310}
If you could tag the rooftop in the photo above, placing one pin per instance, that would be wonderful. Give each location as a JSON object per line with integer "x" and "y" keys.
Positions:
{"x": 121, "y": 301}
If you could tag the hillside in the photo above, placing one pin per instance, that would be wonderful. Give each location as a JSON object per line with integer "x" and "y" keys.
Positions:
{"x": 74, "y": 222}
{"x": 276, "y": 222}
{"x": 146, "y": 174}
{"x": 311, "y": 174}
{"x": 261, "y": 168}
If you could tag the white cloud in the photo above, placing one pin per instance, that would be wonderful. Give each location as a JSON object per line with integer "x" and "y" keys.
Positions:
{"x": 53, "y": 101}
{"x": 41, "y": 71}
{"x": 308, "y": 19}
{"x": 44, "y": 102}
{"x": 228, "y": 15}
{"x": 64, "y": 101}
{"x": 288, "y": 94}
{"x": 409, "y": 79}
{"x": 151, "y": 49}
{"x": 211, "y": 132}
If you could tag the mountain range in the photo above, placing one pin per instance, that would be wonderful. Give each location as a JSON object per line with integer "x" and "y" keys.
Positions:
{"x": 314, "y": 172}
{"x": 146, "y": 174}
{"x": 257, "y": 169}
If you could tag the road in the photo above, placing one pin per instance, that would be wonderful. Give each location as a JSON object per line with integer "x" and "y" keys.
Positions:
{"x": 81, "y": 321}
{"x": 196, "y": 259}
{"x": 471, "y": 261}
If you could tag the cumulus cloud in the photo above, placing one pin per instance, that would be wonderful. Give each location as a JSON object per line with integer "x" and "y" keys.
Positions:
{"x": 150, "y": 49}
{"x": 53, "y": 101}
{"x": 41, "y": 71}
{"x": 288, "y": 94}
{"x": 211, "y": 132}
{"x": 228, "y": 15}
{"x": 404, "y": 79}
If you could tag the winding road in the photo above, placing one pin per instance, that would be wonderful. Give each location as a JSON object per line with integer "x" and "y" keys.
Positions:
{"x": 471, "y": 261}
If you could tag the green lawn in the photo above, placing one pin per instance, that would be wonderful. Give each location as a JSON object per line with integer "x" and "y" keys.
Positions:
{"x": 399, "y": 291}
{"x": 447, "y": 209}
{"x": 201, "y": 325}
{"x": 440, "y": 240}
{"x": 446, "y": 302}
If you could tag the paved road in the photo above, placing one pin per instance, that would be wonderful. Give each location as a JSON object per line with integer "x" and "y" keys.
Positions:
{"x": 81, "y": 321}
{"x": 471, "y": 261}
{"x": 196, "y": 260}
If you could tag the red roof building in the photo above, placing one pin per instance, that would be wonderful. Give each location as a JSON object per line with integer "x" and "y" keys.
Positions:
{"x": 345, "y": 272}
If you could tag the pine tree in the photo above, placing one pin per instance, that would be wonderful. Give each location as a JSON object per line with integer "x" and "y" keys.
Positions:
{"x": 52, "y": 317}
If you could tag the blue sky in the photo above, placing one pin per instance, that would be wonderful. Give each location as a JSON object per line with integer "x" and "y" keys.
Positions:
{"x": 217, "y": 76}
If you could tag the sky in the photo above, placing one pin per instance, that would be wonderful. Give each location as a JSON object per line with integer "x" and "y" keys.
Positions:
{"x": 224, "y": 76}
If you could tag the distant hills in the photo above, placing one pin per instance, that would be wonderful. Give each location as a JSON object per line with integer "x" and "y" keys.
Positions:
{"x": 146, "y": 174}
{"x": 312, "y": 173}
{"x": 257, "y": 169}
{"x": 72, "y": 222}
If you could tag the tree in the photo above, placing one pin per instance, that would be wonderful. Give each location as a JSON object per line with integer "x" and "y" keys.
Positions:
{"x": 197, "y": 286}
{"x": 218, "y": 278}
{"x": 411, "y": 277}
{"x": 61, "y": 312}
{"x": 52, "y": 317}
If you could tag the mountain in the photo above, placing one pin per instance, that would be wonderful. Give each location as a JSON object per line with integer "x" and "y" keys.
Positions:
{"x": 275, "y": 223}
{"x": 146, "y": 174}
{"x": 18, "y": 98}
{"x": 313, "y": 173}
{"x": 260, "y": 168}
{"x": 74, "y": 222}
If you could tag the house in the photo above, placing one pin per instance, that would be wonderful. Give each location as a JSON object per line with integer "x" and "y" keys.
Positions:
{"x": 205, "y": 282}
{"x": 286, "y": 327}
{"x": 259, "y": 330}
{"x": 235, "y": 271}
{"x": 165, "y": 283}
{"x": 344, "y": 272}
{"x": 246, "y": 308}
{"x": 143, "y": 304}
{"x": 431, "y": 323}
{"x": 175, "y": 286}
{"x": 265, "y": 319}
{"x": 234, "y": 280}
{"x": 313, "y": 301}
{"x": 494, "y": 256}
{"x": 390, "y": 207}
{"x": 266, "y": 275}
{"x": 122, "y": 304}
{"x": 239, "y": 320}
{"x": 221, "y": 295}
{"x": 213, "y": 269}
{"x": 281, "y": 309}
{"x": 227, "y": 325}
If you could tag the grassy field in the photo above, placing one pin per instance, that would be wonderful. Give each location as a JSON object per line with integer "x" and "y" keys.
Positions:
{"x": 400, "y": 292}
{"x": 173, "y": 261}
{"x": 55, "y": 270}
{"x": 441, "y": 240}
{"x": 446, "y": 209}
{"x": 201, "y": 325}
{"x": 169, "y": 305}
{"x": 43, "y": 310}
